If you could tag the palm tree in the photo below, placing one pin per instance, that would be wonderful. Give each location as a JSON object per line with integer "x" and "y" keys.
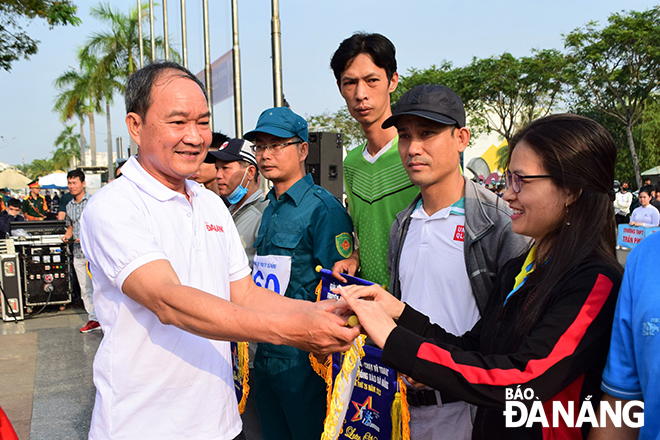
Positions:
{"x": 81, "y": 93}
{"x": 68, "y": 152}
{"x": 105, "y": 80}
{"x": 40, "y": 167}
{"x": 119, "y": 48}
{"x": 68, "y": 104}
{"x": 502, "y": 156}
{"x": 118, "y": 52}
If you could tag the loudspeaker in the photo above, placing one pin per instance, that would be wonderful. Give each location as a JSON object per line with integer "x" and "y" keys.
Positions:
{"x": 325, "y": 161}
{"x": 10, "y": 275}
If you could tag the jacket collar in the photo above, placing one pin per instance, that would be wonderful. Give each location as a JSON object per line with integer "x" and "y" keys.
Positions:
{"x": 479, "y": 223}
{"x": 296, "y": 192}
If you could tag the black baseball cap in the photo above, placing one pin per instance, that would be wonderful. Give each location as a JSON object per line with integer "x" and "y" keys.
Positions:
{"x": 233, "y": 150}
{"x": 430, "y": 101}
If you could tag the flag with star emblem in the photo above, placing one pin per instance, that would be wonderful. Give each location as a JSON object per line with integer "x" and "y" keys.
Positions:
{"x": 366, "y": 399}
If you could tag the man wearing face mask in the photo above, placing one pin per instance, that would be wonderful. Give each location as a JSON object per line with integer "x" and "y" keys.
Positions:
{"x": 237, "y": 179}
{"x": 304, "y": 226}
{"x": 206, "y": 173}
{"x": 622, "y": 204}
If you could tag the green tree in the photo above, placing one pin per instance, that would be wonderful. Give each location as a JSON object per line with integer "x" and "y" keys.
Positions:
{"x": 68, "y": 153}
{"x": 340, "y": 121}
{"x": 118, "y": 52}
{"x": 505, "y": 93}
{"x": 118, "y": 49}
{"x": 444, "y": 74}
{"x": 617, "y": 68}
{"x": 14, "y": 41}
{"x": 500, "y": 93}
{"x": 502, "y": 156}
{"x": 80, "y": 91}
{"x": 68, "y": 105}
{"x": 39, "y": 168}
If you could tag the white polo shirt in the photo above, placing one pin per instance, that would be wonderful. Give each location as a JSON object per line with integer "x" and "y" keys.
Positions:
{"x": 155, "y": 381}
{"x": 432, "y": 272}
{"x": 434, "y": 280}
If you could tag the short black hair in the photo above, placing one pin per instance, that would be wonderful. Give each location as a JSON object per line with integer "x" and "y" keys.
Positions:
{"x": 139, "y": 85}
{"x": 76, "y": 173}
{"x": 379, "y": 48}
{"x": 218, "y": 140}
{"x": 648, "y": 189}
{"x": 14, "y": 203}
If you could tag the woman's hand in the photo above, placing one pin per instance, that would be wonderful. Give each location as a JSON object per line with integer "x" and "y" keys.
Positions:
{"x": 389, "y": 303}
{"x": 374, "y": 319}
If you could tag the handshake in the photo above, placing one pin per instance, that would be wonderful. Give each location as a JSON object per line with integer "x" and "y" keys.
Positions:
{"x": 361, "y": 309}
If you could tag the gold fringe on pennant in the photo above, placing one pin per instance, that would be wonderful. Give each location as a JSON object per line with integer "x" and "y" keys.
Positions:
{"x": 395, "y": 415}
{"x": 325, "y": 371}
{"x": 332, "y": 426}
{"x": 244, "y": 368}
{"x": 405, "y": 410}
{"x": 317, "y": 291}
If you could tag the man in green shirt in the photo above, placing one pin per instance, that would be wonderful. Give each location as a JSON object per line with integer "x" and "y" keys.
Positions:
{"x": 34, "y": 205}
{"x": 302, "y": 227}
{"x": 377, "y": 185}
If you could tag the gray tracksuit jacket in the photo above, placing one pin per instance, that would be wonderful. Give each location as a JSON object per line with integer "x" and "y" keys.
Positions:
{"x": 489, "y": 241}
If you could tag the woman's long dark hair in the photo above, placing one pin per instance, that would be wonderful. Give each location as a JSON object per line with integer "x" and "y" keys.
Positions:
{"x": 579, "y": 154}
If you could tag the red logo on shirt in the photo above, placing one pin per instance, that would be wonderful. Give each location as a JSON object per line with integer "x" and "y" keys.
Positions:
{"x": 216, "y": 228}
{"x": 460, "y": 232}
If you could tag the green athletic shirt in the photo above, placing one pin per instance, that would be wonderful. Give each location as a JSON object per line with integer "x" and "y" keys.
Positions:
{"x": 376, "y": 194}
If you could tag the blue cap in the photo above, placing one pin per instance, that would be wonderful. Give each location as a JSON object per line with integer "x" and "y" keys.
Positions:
{"x": 280, "y": 122}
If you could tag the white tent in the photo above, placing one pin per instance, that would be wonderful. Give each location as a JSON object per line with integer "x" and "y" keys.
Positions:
{"x": 54, "y": 180}
{"x": 13, "y": 179}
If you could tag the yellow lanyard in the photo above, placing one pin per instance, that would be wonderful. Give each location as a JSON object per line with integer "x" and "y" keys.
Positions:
{"x": 525, "y": 270}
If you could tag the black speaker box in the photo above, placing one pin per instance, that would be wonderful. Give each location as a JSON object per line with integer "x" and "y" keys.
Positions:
{"x": 324, "y": 161}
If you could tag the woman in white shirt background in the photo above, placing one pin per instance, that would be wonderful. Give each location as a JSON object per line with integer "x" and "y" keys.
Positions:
{"x": 645, "y": 215}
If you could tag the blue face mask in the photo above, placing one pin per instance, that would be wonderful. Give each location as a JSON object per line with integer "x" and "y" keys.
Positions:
{"x": 240, "y": 191}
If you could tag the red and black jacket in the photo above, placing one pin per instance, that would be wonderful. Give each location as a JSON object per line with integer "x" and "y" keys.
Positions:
{"x": 561, "y": 358}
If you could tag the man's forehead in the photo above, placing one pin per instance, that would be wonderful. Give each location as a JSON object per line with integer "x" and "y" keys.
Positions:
{"x": 267, "y": 137}
{"x": 372, "y": 68}
{"x": 170, "y": 82}
{"x": 222, "y": 163}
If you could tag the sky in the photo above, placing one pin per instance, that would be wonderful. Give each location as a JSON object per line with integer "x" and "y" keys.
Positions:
{"x": 424, "y": 33}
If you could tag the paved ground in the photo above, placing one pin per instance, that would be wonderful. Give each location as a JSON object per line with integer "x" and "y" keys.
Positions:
{"x": 46, "y": 374}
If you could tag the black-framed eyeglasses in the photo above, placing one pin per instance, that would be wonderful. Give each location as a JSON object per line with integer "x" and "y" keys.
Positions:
{"x": 272, "y": 148}
{"x": 514, "y": 180}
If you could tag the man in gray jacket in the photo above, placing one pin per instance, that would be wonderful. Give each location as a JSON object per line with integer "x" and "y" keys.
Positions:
{"x": 446, "y": 248}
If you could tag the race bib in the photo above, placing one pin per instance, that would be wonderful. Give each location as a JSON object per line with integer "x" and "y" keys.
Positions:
{"x": 272, "y": 272}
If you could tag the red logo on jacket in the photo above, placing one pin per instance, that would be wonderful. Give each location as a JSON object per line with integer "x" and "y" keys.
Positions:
{"x": 460, "y": 233}
{"x": 214, "y": 228}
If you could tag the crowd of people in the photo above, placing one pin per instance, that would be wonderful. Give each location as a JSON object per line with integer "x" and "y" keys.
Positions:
{"x": 476, "y": 293}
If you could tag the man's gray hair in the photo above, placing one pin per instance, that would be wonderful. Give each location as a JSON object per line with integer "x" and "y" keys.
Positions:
{"x": 139, "y": 85}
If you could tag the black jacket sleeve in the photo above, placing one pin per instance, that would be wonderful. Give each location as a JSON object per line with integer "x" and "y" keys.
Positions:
{"x": 571, "y": 336}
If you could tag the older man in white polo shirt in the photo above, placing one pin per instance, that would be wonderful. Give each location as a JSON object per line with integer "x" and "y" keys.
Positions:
{"x": 172, "y": 282}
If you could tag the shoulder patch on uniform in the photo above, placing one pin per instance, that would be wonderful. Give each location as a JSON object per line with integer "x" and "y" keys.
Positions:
{"x": 344, "y": 244}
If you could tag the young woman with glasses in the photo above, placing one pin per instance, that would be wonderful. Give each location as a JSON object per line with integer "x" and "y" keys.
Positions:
{"x": 545, "y": 332}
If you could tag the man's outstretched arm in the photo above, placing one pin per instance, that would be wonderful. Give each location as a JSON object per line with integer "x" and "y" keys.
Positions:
{"x": 253, "y": 314}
